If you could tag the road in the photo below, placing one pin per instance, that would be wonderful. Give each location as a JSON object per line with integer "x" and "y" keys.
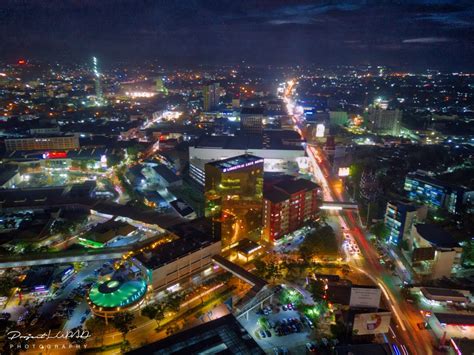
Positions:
{"x": 405, "y": 316}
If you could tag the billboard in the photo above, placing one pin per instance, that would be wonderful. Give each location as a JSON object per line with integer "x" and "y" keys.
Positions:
{"x": 343, "y": 172}
{"x": 320, "y": 130}
{"x": 371, "y": 323}
{"x": 365, "y": 297}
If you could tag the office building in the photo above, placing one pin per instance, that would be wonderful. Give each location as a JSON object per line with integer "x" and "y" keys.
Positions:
{"x": 64, "y": 142}
{"x": 233, "y": 197}
{"x": 210, "y": 96}
{"x": 379, "y": 119}
{"x": 432, "y": 252}
{"x": 436, "y": 194}
{"x": 288, "y": 203}
{"x": 252, "y": 119}
{"x": 400, "y": 217}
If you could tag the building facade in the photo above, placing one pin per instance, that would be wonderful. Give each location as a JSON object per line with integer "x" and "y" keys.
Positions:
{"x": 65, "y": 142}
{"x": 384, "y": 121}
{"x": 400, "y": 217}
{"x": 233, "y": 197}
{"x": 287, "y": 205}
{"x": 425, "y": 189}
{"x": 252, "y": 119}
{"x": 210, "y": 96}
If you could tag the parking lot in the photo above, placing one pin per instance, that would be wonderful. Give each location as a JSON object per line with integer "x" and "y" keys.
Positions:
{"x": 286, "y": 330}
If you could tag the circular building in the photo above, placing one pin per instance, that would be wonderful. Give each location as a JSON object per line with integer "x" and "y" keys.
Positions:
{"x": 108, "y": 297}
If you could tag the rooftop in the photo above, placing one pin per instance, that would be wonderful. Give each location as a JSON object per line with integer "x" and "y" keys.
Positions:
{"x": 237, "y": 162}
{"x": 192, "y": 236}
{"x": 436, "y": 235}
{"x": 455, "y": 318}
{"x": 221, "y": 336}
{"x": 277, "y": 139}
{"x": 296, "y": 185}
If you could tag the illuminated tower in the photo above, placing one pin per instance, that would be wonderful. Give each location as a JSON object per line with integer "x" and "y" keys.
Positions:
{"x": 234, "y": 197}
{"x": 98, "y": 89}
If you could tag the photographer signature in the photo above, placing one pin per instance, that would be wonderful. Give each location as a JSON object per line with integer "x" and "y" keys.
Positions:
{"x": 83, "y": 334}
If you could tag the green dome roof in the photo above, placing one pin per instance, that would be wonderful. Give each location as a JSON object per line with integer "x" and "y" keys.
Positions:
{"x": 115, "y": 293}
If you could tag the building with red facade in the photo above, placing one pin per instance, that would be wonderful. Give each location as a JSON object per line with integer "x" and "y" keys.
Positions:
{"x": 288, "y": 203}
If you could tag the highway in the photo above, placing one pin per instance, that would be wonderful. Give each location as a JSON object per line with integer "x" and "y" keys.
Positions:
{"x": 405, "y": 316}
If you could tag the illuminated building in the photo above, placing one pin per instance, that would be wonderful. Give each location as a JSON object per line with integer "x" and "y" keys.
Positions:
{"x": 109, "y": 297}
{"x": 62, "y": 142}
{"x": 210, "y": 95}
{"x": 99, "y": 99}
{"x": 400, "y": 217}
{"x": 186, "y": 258}
{"x": 288, "y": 203}
{"x": 282, "y": 151}
{"x": 251, "y": 119}
{"x": 233, "y": 196}
{"x": 436, "y": 194}
{"x": 380, "y": 119}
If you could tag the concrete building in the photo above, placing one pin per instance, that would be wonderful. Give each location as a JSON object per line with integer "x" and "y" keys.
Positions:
{"x": 210, "y": 95}
{"x": 383, "y": 121}
{"x": 432, "y": 252}
{"x": 400, "y": 217}
{"x": 64, "y": 142}
{"x": 188, "y": 258}
{"x": 252, "y": 119}
{"x": 288, "y": 203}
{"x": 282, "y": 151}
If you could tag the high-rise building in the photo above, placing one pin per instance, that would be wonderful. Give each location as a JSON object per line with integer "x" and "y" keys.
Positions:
{"x": 400, "y": 217}
{"x": 99, "y": 99}
{"x": 233, "y": 198}
{"x": 380, "y": 119}
{"x": 437, "y": 194}
{"x": 251, "y": 119}
{"x": 288, "y": 203}
{"x": 210, "y": 95}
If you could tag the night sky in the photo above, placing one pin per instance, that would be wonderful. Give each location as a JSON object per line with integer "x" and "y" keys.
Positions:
{"x": 413, "y": 34}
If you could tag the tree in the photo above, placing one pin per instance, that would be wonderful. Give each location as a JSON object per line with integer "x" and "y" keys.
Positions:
{"x": 123, "y": 322}
{"x": 273, "y": 271}
{"x": 78, "y": 336}
{"x": 317, "y": 290}
{"x": 154, "y": 311}
{"x": 339, "y": 331}
{"x": 96, "y": 326}
{"x": 6, "y": 285}
{"x": 322, "y": 241}
{"x": 381, "y": 231}
{"x": 173, "y": 302}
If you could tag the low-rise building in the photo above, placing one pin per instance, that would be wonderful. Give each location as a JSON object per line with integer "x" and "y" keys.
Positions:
{"x": 60, "y": 142}
{"x": 432, "y": 252}
{"x": 189, "y": 257}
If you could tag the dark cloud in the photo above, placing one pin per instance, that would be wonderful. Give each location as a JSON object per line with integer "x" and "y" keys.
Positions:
{"x": 202, "y": 31}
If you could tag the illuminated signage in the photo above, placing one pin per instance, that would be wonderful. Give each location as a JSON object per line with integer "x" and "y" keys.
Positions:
{"x": 320, "y": 130}
{"x": 55, "y": 155}
{"x": 343, "y": 172}
{"x": 371, "y": 323}
{"x": 240, "y": 166}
